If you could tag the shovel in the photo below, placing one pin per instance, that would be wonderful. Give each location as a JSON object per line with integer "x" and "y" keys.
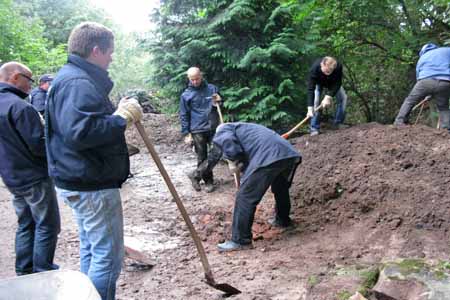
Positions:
{"x": 287, "y": 134}
{"x": 237, "y": 176}
{"x": 224, "y": 287}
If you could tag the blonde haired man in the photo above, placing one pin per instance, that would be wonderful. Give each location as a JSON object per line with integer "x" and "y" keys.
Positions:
{"x": 87, "y": 153}
{"x": 325, "y": 77}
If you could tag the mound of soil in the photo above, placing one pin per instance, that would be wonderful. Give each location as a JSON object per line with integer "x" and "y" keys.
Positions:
{"x": 392, "y": 177}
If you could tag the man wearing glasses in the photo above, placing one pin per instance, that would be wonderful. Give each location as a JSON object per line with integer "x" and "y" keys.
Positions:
{"x": 23, "y": 168}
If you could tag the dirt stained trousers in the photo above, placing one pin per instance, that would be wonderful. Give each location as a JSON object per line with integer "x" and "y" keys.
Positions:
{"x": 438, "y": 89}
{"x": 278, "y": 176}
{"x": 206, "y": 161}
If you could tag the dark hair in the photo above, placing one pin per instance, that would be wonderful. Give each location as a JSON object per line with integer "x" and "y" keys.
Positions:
{"x": 85, "y": 36}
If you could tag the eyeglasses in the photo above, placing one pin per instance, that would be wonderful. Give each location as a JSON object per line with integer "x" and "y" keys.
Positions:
{"x": 27, "y": 77}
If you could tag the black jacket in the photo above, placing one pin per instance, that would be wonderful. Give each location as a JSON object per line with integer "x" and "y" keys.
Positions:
{"x": 22, "y": 146}
{"x": 332, "y": 83}
{"x": 37, "y": 99}
{"x": 86, "y": 147}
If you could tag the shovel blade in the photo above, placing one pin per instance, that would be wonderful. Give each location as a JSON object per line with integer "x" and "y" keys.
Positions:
{"x": 224, "y": 287}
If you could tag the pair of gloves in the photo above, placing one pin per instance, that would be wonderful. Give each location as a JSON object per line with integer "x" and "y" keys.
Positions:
{"x": 326, "y": 102}
{"x": 130, "y": 110}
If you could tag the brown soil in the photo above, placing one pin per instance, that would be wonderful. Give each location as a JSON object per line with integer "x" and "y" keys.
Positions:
{"x": 362, "y": 196}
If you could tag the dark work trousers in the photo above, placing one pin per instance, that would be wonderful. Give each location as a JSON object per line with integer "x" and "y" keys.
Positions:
{"x": 206, "y": 161}
{"x": 279, "y": 176}
{"x": 440, "y": 92}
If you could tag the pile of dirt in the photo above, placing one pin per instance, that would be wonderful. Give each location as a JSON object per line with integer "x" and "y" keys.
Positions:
{"x": 163, "y": 130}
{"x": 392, "y": 177}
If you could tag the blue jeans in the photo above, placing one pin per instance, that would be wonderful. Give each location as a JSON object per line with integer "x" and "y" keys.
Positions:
{"x": 100, "y": 225}
{"x": 38, "y": 227}
{"x": 341, "y": 99}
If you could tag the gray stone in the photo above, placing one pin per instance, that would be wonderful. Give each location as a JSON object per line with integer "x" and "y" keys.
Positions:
{"x": 413, "y": 280}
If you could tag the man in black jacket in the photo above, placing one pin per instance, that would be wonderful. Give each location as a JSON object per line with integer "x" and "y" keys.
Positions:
{"x": 23, "y": 168}
{"x": 199, "y": 120}
{"x": 87, "y": 153}
{"x": 39, "y": 94}
{"x": 326, "y": 73}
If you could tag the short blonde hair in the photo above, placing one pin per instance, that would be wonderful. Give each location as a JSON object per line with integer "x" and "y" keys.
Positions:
{"x": 330, "y": 62}
{"x": 85, "y": 36}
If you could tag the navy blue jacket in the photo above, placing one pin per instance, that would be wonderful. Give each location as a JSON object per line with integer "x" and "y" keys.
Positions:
{"x": 37, "y": 99}
{"x": 197, "y": 114}
{"x": 22, "y": 146}
{"x": 86, "y": 147}
{"x": 254, "y": 145}
{"x": 332, "y": 82}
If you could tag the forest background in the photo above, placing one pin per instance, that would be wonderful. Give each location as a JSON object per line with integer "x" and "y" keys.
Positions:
{"x": 257, "y": 51}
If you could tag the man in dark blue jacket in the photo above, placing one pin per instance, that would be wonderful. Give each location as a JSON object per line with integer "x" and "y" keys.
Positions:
{"x": 39, "y": 94}
{"x": 325, "y": 77}
{"x": 87, "y": 153}
{"x": 199, "y": 120}
{"x": 23, "y": 168}
{"x": 433, "y": 79}
{"x": 266, "y": 159}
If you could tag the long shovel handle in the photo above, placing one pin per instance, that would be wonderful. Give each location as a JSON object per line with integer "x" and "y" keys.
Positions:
{"x": 237, "y": 176}
{"x": 173, "y": 191}
{"x": 287, "y": 134}
{"x": 219, "y": 110}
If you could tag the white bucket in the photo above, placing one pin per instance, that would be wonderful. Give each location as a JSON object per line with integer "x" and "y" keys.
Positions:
{"x": 51, "y": 285}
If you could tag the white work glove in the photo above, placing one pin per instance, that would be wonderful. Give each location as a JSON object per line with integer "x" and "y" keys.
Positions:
{"x": 188, "y": 139}
{"x": 235, "y": 167}
{"x": 216, "y": 99}
{"x": 310, "y": 112}
{"x": 326, "y": 102}
{"x": 130, "y": 110}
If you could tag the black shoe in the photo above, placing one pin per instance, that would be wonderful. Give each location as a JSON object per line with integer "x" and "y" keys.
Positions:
{"x": 281, "y": 224}
{"x": 195, "y": 182}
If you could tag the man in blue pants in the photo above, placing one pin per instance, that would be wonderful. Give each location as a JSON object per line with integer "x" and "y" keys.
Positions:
{"x": 325, "y": 77}
{"x": 87, "y": 153}
{"x": 266, "y": 160}
{"x": 23, "y": 168}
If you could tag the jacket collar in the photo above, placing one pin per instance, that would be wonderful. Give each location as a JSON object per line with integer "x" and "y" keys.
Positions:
{"x": 8, "y": 88}
{"x": 99, "y": 76}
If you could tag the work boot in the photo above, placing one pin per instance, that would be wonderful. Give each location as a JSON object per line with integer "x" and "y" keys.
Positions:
{"x": 314, "y": 132}
{"x": 195, "y": 182}
{"x": 209, "y": 187}
{"x": 228, "y": 246}
{"x": 275, "y": 222}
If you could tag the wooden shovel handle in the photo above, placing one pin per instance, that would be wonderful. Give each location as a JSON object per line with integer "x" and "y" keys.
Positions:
{"x": 287, "y": 134}
{"x": 173, "y": 191}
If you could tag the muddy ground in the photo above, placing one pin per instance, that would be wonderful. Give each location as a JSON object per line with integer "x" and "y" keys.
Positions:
{"x": 363, "y": 195}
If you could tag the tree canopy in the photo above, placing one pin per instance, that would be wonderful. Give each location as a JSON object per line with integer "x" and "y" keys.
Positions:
{"x": 259, "y": 52}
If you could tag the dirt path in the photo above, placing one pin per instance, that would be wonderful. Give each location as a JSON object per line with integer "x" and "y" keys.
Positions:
{"x": 352, "y": 212}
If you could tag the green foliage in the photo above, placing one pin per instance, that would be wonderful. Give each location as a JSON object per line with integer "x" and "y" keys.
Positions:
{"x": 247, "y": 47}
{"x": 22, "y": 40}
{"x": 59, "y": 17}
{"x": 259, "y": 52}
